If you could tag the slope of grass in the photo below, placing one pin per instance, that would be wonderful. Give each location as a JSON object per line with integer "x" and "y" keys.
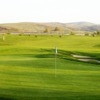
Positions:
{"x": 27, "y": 68}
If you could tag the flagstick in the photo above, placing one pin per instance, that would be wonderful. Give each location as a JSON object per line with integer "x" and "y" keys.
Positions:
{"x": 55, "y": 61}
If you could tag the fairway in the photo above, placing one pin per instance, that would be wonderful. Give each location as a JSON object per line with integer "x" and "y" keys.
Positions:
{"x": 27, "y": 68}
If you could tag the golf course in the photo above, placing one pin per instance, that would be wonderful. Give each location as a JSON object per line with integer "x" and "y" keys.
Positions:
{"x": 32, "y": 69}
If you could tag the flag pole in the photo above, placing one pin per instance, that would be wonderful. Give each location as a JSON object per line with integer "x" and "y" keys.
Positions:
{"x": 56, "y": 52}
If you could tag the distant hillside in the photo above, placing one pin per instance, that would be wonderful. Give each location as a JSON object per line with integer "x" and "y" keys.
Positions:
{"x": 8, "y": 29}
{"x": 25, "y": 27}
{"x": 30, "y": 27}
{"x": 84, "y": 26}
{"x": 81, "y": 23}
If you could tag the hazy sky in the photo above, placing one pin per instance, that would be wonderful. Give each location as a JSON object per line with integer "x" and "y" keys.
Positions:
{"x": 49, "y": 11}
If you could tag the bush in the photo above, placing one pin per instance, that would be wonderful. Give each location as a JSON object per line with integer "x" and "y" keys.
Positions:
{"x": 8, "y": 33}
{"x": 72, "y": 33}
{"x": 21, "y": 34}
{"x": 98, "y": 33}
{"x": 60, "y": 36}
{"x": 36, "y": 36}
{"x": 86, "y": 34}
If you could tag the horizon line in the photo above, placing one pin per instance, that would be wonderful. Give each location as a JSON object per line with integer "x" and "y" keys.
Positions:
{"x": 48, "y": 22}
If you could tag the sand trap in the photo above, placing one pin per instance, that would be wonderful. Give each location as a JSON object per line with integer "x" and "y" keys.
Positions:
{"x": 79, "y": 56}
{"x": 85, "y": 58}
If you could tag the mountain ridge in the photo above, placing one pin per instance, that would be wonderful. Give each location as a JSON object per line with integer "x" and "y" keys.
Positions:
{"x": 40, "y": 27}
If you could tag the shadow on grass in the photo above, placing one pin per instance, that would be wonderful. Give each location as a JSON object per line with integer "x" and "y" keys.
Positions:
{"x": 6, "y": 98}
{"x": 67, "y": 55}
{"x": 46, "y": 54}
{"x": 50, "y": 95}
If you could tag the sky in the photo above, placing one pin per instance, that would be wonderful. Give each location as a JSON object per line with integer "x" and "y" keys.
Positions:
{"x": 64, "y": 11}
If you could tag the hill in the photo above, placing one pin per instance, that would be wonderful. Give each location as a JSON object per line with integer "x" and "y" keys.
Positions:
{"x": 84, "y": 26}
{"x": 31, "y": 27}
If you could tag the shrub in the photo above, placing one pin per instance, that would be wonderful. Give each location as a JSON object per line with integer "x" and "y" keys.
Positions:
{"x": 21, "y": 34}
{"x": 72, "y": 33}
{"x": 86, "y": 34}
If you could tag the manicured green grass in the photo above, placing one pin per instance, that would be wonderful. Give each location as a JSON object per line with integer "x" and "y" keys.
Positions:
{"x": 27, "y": 68}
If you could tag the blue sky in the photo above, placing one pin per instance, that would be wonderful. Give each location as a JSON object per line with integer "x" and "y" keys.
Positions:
{"x": 49, "y": 11}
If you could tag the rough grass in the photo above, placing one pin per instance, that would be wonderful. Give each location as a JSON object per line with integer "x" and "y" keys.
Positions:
{"x": 27, "y": 68}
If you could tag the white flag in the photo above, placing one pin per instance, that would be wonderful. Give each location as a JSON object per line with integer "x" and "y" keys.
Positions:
{"x": 56, "y": 51}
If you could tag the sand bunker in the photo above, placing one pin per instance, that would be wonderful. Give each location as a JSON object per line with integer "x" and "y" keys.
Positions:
{"x": 79, "y": 56}
{"x": 85, "y": 58}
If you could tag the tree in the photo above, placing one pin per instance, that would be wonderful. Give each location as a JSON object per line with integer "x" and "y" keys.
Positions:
{"x": 98, "y": 32}
{"x": 86, "y": 34}
{"x": 21, "y": 34}
{"x": 47, "y": 30}
{"x": 8, "y": 33}
{"x": 57, "y": 29}
{"x": 72, "y": 33}
{"x": 94, "y": 34}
